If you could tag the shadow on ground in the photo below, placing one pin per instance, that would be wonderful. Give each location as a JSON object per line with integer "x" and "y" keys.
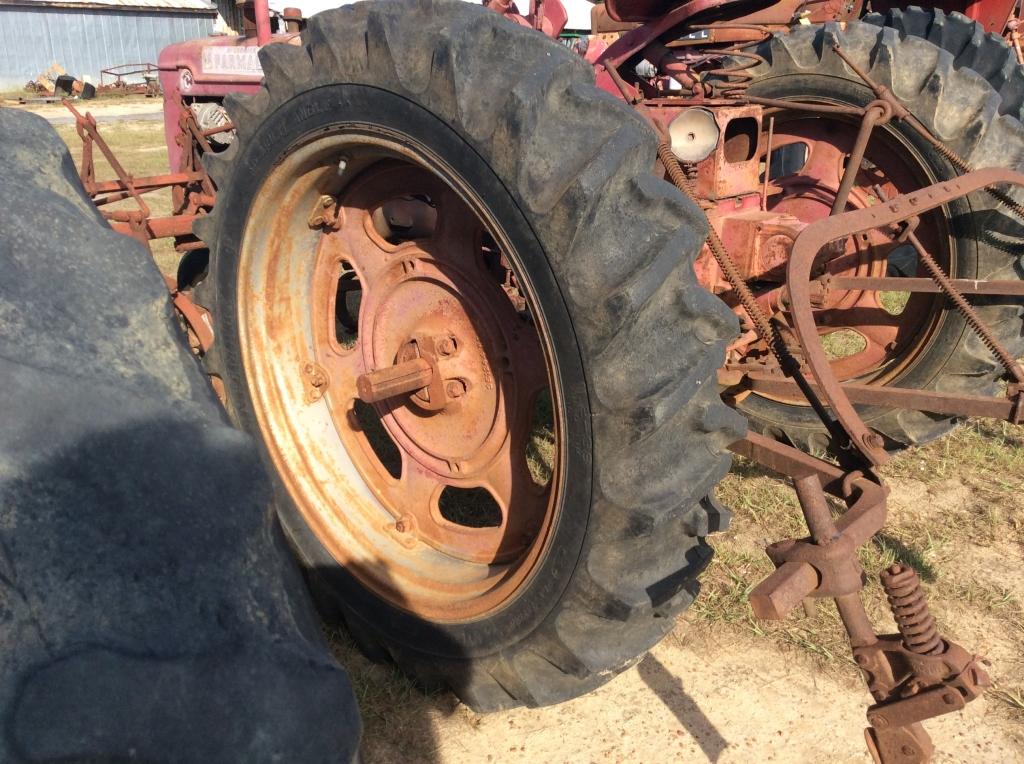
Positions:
{"x": 669, "y": 689}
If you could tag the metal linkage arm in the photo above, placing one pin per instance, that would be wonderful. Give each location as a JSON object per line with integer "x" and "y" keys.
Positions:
{"x": 798, "y": 275}
{"x": 913, "y": 675}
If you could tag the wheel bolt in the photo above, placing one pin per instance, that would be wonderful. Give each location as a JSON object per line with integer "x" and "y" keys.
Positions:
{"x": 455, "y": 388}
{"x": 446, "y": 346}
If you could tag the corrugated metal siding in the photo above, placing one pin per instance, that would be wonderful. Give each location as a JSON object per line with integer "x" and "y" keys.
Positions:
{"x": 231, "y": 12}
{"x": 84, "y": 42}
{"x": 194, "y": 5}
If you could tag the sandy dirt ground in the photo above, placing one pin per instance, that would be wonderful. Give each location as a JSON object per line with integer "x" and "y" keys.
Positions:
{"x": 730, "y": 701}
{"x": 104, "y": 109}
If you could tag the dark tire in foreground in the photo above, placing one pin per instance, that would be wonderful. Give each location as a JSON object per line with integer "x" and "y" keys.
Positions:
{"x": 150, "y": 609}
{"x": 974, "y": 237}
{"x": 542, "y": 257}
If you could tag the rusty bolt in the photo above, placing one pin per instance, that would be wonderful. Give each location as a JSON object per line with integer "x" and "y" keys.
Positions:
{"x": 400, "y": 526}
{"x": 455, "y": 388}
{"x": 446, "y": 346}
{"x": 873, "y": 440}
{"x": 878, "y": 721}
{"x": 949, "y": 699}
{"x": 317, "y": 219}
{"x": 907, "y": 750}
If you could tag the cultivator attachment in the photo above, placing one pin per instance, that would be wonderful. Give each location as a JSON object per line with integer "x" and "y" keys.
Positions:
{"x": 916, "y": 674}
{"x": 913, "y": 675}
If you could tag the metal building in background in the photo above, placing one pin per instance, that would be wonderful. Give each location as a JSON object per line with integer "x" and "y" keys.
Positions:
{"x": 85, "y": 36}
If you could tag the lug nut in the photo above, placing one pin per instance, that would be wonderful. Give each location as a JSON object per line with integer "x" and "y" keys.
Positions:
{"x": 446, "y": 346}
{"x": 455, "y": 388}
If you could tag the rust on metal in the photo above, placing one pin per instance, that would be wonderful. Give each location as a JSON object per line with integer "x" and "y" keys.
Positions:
{"x": 912, "y": 284}
{"x": 390, "y": 381}
{"x": 913, "y": 675}
{"x": 816, "y": 236}
{"x": 952, "y": 404}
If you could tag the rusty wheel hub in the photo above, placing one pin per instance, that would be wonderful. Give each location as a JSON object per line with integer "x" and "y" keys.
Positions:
{"x": 422, "y": 370}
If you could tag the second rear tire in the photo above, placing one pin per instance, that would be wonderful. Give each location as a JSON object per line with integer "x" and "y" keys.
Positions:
{"x": 633, "y": 342}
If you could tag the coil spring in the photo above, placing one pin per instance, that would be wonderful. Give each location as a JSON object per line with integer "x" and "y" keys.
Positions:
{"x": 909, "y": 608}
{"x": 734, "y": 78}
{"x": 964, "y": 166}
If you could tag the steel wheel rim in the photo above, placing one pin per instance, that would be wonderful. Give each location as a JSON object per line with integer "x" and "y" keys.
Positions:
{"x": 915, "y": 327}
{"x": 418, "y": 561}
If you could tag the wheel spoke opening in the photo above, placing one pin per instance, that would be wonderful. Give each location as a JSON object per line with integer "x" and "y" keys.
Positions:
{"x": 843, "y": 343}
{"x": 347, "y": 300}
{"x": 540, "y": 445}
{"x": 470, "y": 507}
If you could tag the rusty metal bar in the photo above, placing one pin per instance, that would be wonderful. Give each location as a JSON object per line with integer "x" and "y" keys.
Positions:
{"x": 915, "y": 284}
{"x": 816, "y": 108}
{"x": 86, "y": 125}
{"x": 786, "y": 460}
{"x": 932, "y": 401}
{"x": 148, "y": 183}
{"x": 156, "y": 228}
{"x": 876, "y": 113}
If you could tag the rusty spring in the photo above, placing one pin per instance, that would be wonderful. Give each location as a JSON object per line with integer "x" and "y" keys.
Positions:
{"x": 910, "y": 610}
{"x": 733, "y": 78}
{"x": 964, "y": 166}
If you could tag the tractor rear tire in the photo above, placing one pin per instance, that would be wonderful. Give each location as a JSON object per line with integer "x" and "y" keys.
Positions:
{"x": 961, "y": 107}
{"x": 607, "y": 252}
{"x": 972, "y": 48}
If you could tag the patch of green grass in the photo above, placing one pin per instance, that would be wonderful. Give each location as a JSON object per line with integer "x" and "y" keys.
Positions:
{"x": 843, "y": 343}
{"x": 894, "y": 302}
{"x": 979, "y": 452}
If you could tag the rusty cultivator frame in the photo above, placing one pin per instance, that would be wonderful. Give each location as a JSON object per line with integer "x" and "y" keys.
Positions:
{"x": 192, "y": 194}
{"x": 689, "y": 70}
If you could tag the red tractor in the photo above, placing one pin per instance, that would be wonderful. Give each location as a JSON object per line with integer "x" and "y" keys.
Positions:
{"x": 498, "y": 327}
